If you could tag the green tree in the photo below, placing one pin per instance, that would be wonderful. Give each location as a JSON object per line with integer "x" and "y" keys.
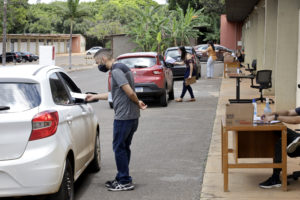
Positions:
{"x": 17, "y": 11}
{"x": 113, "y": 16}
{"x": 155, "y": 28}
{"x": 71, "y": 12}
{"x": 147, "y": 28}
{"x": 212, "y": 9}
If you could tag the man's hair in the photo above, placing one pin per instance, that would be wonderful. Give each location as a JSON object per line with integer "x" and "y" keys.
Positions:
{"x": 104, "y": 52}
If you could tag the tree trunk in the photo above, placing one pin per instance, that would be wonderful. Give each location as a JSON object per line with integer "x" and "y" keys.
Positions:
{"x": 4, "y": 33}
{"x": 70, "y": 45}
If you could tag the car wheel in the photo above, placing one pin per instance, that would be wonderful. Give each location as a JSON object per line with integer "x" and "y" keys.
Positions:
{"x": 95, "y": 165}
{"x": 163, "y": 99}
{"x": 66, "y": 190}
{"x": 111, "y": 105}
{"x": 88, "y": 53}
{"x": 171, "y": 93}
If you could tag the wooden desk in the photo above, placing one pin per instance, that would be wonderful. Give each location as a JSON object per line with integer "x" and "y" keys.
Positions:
{"x": 254, "y": 141}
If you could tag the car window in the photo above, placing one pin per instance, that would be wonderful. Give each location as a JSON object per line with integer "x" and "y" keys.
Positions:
{"x": 59, "y": 93}
{"x": 173, "y": 53}
{"x": 138, "y": 62}
{"x": 72, "y": 87}
{"x": 19, "y": 96}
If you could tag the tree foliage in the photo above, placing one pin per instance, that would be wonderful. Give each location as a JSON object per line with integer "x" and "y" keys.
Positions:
{"x": 155, "y": 28}
{"x": 211, "y": 8}
{"x": 17, "y": 11}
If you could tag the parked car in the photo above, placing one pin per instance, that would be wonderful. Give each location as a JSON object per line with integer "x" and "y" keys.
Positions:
{"x": 32, "y": 56}
{"x": 48, "y": 134}
{"x": 178, "y": 70}
{"x": 153, "y": 79}
{"x": 220, "y": 50}
{"x": 12, "y": 57}
{"x": 93, "y": 50}
{"x": 26, "y": 56}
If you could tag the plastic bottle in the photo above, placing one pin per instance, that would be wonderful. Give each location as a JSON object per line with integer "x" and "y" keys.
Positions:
{"x": 255, "y": 109}
{"x": 267, "y": 109}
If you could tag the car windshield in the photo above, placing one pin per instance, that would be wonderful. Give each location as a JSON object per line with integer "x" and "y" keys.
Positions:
{"x": 138, "y": 62}
{"x": 174, "y": 53}
{"x": 18, "y": 97}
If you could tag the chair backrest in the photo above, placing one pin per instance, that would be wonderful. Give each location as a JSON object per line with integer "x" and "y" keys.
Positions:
{"x": 264, "y": 78}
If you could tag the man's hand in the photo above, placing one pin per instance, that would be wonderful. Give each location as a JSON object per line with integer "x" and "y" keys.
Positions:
{"x": 90, "y": 97}
{"x": 142, "y": 105}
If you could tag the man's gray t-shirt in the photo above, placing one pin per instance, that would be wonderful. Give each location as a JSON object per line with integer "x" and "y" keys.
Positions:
{"x": 124, "y": 108}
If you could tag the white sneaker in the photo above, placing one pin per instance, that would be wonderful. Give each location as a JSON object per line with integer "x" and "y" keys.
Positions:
{"x": 294, "y": 145}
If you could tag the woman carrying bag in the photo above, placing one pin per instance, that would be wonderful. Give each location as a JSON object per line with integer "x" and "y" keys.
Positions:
{"x": 189, "y": 75}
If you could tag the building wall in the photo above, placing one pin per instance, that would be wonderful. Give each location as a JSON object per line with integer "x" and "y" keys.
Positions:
{"x": 287, "y": 53}
{"x": 122, "y": 44}
{"x": 271, "y": 35}
{"x": 230, "y": 33}
{"x": 31, "y": 42}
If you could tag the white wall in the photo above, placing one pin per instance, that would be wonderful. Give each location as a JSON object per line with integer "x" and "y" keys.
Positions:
{"x": 298, "y": 68}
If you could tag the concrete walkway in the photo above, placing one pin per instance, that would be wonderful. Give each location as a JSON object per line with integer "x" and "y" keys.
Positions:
{"x": 243, "y": 183}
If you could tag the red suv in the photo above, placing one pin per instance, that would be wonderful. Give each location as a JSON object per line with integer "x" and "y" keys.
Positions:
{"x": 153, "y": 79}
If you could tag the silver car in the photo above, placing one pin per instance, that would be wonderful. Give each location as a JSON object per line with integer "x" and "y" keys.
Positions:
{"x": 48, "y": 134}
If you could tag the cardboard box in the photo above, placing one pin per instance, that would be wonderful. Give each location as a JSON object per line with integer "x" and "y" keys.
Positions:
{"x": 239, "y": 114}
{"x": 228, "y": 57}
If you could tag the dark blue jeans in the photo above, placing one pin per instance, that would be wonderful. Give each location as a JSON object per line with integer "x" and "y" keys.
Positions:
{"x": 187, "y": 88}
{"x": 123, "y": 133}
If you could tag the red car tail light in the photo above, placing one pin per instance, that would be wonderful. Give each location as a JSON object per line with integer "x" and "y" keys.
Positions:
{"x": 44, "y": 124}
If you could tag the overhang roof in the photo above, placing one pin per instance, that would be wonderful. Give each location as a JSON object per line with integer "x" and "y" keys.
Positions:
{"x": 238, "y": 10}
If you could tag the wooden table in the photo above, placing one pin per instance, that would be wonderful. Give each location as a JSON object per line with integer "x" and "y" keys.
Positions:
{"x": 254, "y": 141}
{"x": 238, "y": 77}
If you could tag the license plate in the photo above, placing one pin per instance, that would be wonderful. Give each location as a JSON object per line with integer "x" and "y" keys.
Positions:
{"x": 139, "y": 89}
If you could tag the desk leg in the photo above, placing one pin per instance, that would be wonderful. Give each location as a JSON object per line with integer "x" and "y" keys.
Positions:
{"x": 225, "y": 160}
{"x": 284, "y": 159}
{"x": 238, "y": 88}
{"x": 222, "y": 147}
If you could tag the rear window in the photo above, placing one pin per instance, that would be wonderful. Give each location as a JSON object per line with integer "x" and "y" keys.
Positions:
{"x": 175, "y": 53}
{"x": 138, "y": 62}
{"x": 18, "y": 97}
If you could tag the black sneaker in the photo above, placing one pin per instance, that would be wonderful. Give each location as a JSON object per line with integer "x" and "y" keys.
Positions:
{"x": 109, "y": 183}
{"x": 294, "y": 145}
{"x": 116, "y": 186}
{"x": 272, "y": 182}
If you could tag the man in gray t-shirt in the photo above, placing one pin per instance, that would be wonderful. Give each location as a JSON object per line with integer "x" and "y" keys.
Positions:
{"x": 124, "y": 107}
{"x": 127, "y": 112}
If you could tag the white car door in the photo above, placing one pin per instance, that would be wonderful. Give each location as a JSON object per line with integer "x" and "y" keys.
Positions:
{"x": 86, "y": 119}
{"x": 72, "y": 114}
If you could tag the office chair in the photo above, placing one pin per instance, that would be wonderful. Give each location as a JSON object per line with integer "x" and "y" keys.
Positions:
{"x": 252, "y": 70}
{"x": 264, "y": 81}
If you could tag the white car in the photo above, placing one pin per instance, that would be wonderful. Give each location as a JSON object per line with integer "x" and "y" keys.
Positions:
{"x": 93, "y": 50}
{"x": 47, "y": 136}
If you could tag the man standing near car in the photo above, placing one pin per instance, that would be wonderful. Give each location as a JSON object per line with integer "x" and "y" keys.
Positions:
{"x": 127, "y": 112}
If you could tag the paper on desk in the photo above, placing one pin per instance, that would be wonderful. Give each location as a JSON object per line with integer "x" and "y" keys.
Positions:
{"x": 78, "y": 95}
{"x": 170, "y": 60}
{"x": 257, "y": 120}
